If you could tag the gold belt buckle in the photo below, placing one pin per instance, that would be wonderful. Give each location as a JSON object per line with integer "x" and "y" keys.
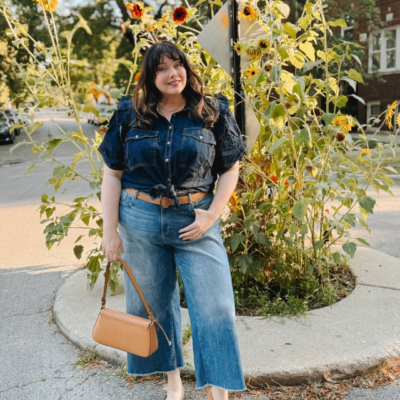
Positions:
{"x": 166, "y": 202}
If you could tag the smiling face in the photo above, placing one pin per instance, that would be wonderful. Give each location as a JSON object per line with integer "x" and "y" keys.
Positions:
{"x": 170, "y": 77}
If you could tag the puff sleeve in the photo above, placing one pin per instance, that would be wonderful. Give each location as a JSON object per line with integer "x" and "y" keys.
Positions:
{"x": 230, "y": 146}
{"x": 112, "y": 147}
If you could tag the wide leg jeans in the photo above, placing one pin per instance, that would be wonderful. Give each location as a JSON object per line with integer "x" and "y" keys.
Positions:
{"x": 154, "y": 251}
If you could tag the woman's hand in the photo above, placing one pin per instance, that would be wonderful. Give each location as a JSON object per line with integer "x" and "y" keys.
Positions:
{"x": 111, "y": 243}
{"x": 204, "y": 219}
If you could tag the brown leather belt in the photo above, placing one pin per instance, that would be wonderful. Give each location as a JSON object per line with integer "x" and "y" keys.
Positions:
{"x": 165, "y": 201}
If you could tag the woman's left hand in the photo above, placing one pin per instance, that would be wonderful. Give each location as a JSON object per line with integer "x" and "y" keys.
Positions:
{"x": 204, "y": 219}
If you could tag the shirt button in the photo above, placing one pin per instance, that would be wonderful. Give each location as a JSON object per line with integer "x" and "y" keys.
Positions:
{"x": 166, "y": 159}
{"x": 201, "y": 137}
{"x": 170, "y": 127}
{"x": 137, "y": 136}
{"x": 168, "y": 142}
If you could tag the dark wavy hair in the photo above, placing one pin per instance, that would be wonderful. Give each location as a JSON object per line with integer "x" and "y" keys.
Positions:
{"x": 146, "y": 95}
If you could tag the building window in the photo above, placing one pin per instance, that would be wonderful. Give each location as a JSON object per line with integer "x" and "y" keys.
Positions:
{"x": 373, "y": 111}
{"x": 383, "y": 49}
{"x": 348, "y": 33}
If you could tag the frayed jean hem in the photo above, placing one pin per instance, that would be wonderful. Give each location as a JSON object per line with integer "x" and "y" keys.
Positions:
{"x": 156, "y": 372}
{"x": 219, "y": 387}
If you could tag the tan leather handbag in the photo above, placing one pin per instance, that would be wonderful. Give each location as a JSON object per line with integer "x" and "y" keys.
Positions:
{"x": 124, "y": 331}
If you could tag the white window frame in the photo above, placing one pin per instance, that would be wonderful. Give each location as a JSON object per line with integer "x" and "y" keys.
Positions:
{"x": 383, "y": 50}
{"x": 343, "y": 31}
{"x": 369, "y": 116}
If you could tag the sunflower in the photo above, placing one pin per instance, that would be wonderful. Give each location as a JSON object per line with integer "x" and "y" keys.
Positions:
{"x": 234, "y": 202}
{"x": 364, "y": 152}
{"x": 136, "y": 10}
{"x": 158, "y": 24}
{"x": 390, "y": 113}
{"x": 274, "y": 179}
{"x": 251, "y": 72}
{"x": 238, "y": 48}
{"x": 137, "y": 77}
{"x": 340, "y": 137}
{"x": 253, "y": 52}
{"x": 267, "y": 67}
{"x": 344, "y": 121}
{"x": 398, "y": 120}
{"x": 48, "y": 5}
{"x": 179, "y": 15}
{"x": 287, "y": 105}
{"x": 96, "y": 93}
{"x": 248, "y": 12}
{"x": 263, "y": 44}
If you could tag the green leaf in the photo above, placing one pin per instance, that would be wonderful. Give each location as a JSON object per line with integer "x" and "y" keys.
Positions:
{"x": 254, "y": 269}
{"x": 78, "y": 250}
{"x": 356, "y": 58}
{"x": 276, "y": 145}
{"x": 262, "y": 238}
{"x": 339, "y": 22}
{"x": 340, "y": 101}
{"x": 244, "y": 261}
{"x": 290, "y": 29}
{"x": 358, "y": 98}
{"x": 283, "y": 8}
{"x": 94, "y": 264}
{"x": 337, "y": 257}
{"x": 16, "y": 126}
{"x": 276, "y": 72}
{"x": 328, "y": 118}
{"x": 319, "y": 244}
{"x": 236, "y": 240}
{"x": 60, "y": 172}
{"x": 303, "y": 135}
{"x": 353, "y": 74}
{"x": 368, "y": 204}
{"x": 300, "y": 209}
{"x": 350, "y": 248}
{"x": 308, "y": 49}
{"x": 304, "y": 230}
{"x": 350, "y": 219}
{"x": 351, "y": 82}
{"x": 30, "y": 169}
{"x": 45, "y": 198}
{"x": 51, "y": 145}
{"x": 279, "y": 111}
{"x": 17, "y": 145}
{"x": 270, "y": 109}
{"x": 361, "y": 240}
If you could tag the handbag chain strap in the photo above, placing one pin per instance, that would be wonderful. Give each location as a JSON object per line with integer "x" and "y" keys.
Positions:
{"x": 137, "y": 287}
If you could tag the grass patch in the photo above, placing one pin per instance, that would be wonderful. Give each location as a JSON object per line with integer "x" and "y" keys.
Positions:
{"x": 89, "y": 359}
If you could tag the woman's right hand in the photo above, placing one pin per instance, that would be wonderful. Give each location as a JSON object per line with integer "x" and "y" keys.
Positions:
{"x": 111, "y": 243}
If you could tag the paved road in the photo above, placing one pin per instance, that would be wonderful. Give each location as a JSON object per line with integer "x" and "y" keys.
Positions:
{"x": 37, "y": 362}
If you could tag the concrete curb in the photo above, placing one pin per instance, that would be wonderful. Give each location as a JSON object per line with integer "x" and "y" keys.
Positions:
{"x": 340, "y": 341}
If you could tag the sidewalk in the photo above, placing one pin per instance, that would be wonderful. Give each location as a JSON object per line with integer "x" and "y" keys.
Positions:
{"x": 340, "y": 341}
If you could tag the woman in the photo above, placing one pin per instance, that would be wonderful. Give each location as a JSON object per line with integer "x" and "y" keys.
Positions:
{"x": 165, "y": 149}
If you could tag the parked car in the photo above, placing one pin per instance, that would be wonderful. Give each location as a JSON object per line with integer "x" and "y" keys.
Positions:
{"x": 104, "y": 115}
{"x": 12, "y": 116}
{"x": 5, "y": 134}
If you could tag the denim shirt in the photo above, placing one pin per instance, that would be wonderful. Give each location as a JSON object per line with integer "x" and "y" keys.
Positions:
{"x": 175, "y": 157}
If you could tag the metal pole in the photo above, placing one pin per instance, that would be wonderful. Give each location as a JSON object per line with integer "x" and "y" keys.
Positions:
{"x": 237, "y": 84}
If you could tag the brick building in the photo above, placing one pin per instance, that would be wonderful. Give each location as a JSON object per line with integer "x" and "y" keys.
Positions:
{"x": 383, "y": 49}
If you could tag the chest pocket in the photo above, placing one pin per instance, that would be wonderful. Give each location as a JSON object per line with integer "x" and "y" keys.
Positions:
{"x": 140, "y": 148}
{"x": 197, "y": 150}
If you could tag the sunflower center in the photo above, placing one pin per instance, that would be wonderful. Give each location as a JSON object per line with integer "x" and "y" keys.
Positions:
{"x": 247, "y": 11}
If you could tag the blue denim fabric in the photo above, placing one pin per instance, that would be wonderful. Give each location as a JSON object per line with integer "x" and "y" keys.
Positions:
{"x": 153, "y": 250}
{"x": 175, "y": 157}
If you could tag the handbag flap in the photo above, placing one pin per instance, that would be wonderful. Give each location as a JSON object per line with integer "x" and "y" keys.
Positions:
{"x": 134, "y": 320}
